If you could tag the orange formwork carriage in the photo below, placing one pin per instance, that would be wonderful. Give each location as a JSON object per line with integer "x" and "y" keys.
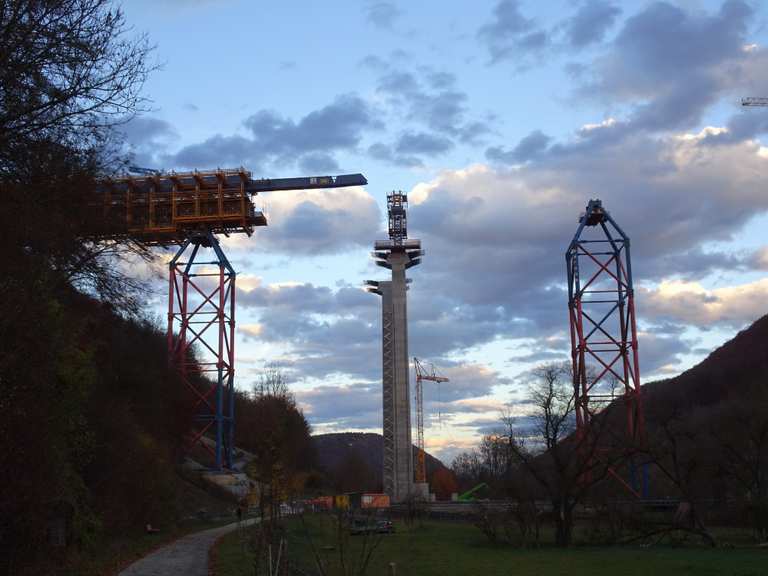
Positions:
{"x": 164, "y": 209}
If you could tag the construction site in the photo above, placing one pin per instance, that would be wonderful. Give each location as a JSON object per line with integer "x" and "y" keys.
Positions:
{"x": 189, "y": 210}
{"x": 533, "y": 343}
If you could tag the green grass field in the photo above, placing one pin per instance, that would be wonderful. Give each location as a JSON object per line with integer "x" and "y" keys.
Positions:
{"x": 447, "y": 549}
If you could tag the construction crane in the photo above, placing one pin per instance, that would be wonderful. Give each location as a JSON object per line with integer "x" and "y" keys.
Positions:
{"x": 754, "y": 101}
{"x": 422, "y": 373}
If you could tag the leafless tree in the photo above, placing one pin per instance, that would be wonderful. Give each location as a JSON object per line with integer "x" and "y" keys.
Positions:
{"x": 272, "y": 382}
{"x": 743, "y": 439}
{"x": 674, "y": 448}
{"x": 566, "y": 465}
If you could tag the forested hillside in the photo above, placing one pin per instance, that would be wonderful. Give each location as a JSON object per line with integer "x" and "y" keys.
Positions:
{"x": 352, "y": 461}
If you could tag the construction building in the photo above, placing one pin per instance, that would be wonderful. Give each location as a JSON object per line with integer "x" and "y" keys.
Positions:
{"x": 396, "y": 254}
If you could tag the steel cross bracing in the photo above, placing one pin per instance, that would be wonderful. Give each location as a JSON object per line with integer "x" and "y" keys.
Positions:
{"x": 422, "y": 374}
{"x": 189, "y": 209}
{"x": 388, "y": 400}
{"x": 201, "y": 301}
{"x": 603, "y": 328}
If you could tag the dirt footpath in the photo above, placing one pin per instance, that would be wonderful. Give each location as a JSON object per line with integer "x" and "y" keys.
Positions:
{"x": 188, "y": 556}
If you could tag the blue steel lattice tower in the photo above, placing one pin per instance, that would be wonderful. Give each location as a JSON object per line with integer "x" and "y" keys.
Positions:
{"x": 396, "y": 254}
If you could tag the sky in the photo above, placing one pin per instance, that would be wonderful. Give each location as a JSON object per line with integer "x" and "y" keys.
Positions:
{"x": 500, "y": 119}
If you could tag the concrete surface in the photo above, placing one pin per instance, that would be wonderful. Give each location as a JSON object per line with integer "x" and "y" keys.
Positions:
{"x": 188, "y": 556}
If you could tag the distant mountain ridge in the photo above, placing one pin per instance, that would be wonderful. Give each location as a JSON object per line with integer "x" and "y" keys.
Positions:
{"x": 729, "y": 369}
{"x": 333, "y": 450}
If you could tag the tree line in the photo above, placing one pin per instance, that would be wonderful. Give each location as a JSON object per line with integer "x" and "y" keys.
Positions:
{"x": 710, "y": 461}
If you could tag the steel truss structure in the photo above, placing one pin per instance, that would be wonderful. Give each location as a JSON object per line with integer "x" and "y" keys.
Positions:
{"x": 422, "y": 374}
{"x": 201, "y": 301}
{"x": 603, "y": 328}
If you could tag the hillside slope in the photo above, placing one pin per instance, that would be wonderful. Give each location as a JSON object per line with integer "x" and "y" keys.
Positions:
{"x": 349, "y": 456}
{"x": 729, "y": 370}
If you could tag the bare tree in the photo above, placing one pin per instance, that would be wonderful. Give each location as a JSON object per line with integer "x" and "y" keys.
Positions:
{"x": 70, "y": 70}
{"x": 743, "y": 440}
{"x": 272, "y": 382}
{"x": 565, "y": 465}
{"x": 675, "y": 449}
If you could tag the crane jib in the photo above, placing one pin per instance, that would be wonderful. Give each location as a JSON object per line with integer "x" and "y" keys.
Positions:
{"x": 306, "y": 183}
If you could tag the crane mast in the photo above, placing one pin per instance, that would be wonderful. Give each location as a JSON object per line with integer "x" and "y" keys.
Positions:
{"x": 422, "y": 374}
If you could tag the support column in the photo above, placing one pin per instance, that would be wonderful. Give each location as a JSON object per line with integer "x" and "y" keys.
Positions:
{"x": 201, "y": 302}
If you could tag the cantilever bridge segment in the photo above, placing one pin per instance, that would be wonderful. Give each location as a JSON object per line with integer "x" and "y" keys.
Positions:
{"x": 603, "y": 328}
{"x": 189, "y": 210}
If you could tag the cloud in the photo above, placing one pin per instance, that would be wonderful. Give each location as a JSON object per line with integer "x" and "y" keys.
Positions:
{"x": 590, "y": 23}
{"x": 691, "y": 303}
{"x": 358, "y": 405}
{"x": 343, "y": 406}
{"x": 669, "y": 64}
{"x": 272, "y": 138}
{"x": 499, "y": 234}
{"x": 312, "y": 222}
{"x": 411, "y": 143}
{"x": 381, "y": 151}
{"x": 250, "y": 331}
{"x": 510, "y": 34}
{"x": 143, "y": 136}
{"x": 528, "y": 148}
{"x": 383, "y": 14}
{"x": 429, "y": 100}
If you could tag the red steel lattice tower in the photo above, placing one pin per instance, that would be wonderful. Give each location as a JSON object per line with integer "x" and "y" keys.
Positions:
{"x": 601, "y": 304}
{"x": 201, "y": 300}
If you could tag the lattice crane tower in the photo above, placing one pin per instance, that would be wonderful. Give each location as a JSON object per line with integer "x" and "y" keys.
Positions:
{"x": 189, "y": 209}
{"x": 430, "y": 375}
{"x": 396, "y": 254}
{"x": 603, "y": 330}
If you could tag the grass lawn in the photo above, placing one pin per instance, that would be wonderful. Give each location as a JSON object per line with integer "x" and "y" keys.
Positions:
{"x": 445, "y": 549}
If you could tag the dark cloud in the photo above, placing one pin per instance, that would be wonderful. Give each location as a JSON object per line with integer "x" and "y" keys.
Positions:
{"x": 744, "y": 125}
{"x": 274, "y": 138}
{"x": 343, "y": 406}
{"x": 382, "y": 14}
{"x": 528, "y": 148}
{"x": 670, "y": 64}
{"x": 143, "y": 136}
{"x": 500, "y": 235}
{"x": 329, "y": 221}
{"x": 442, "y": 110}
{"x": 383, "y": 152}
{"x": 591, "y": 22}
{"x": 217, "y": 150}
{"x": 359, "y": 405}
{"x": 318, "y": 163}
{"x": 511, "y": 35}
{"x": 422, "y": 143}
{"x": 430, "y": 100}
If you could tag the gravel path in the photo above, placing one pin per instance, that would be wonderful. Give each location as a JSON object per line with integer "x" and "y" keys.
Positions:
{"x": 188, "y": 556}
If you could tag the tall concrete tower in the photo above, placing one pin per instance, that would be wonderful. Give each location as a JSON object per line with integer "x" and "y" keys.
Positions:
{"x": 396, "y": 254}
